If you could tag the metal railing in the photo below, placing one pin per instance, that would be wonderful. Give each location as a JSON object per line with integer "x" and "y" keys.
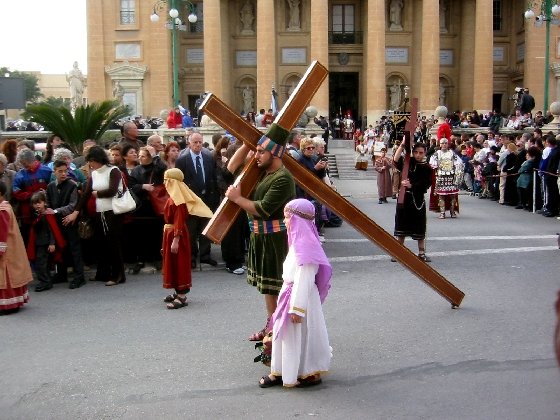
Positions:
{"x": 338, "y": 37}
{"x": 128, "y": 17}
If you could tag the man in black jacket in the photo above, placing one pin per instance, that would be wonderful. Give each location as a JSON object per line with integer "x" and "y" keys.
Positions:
{"x": 62, "y": 197}
{"x": 199, "y": 169}
{"x": 527, "y": 102}
{"x": 550, "y": 180}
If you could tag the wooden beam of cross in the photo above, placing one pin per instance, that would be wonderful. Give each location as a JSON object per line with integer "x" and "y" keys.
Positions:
{"x": 409, "y": 129}
{"x": 227, "y": 211}
{"x": 287, "y": 118}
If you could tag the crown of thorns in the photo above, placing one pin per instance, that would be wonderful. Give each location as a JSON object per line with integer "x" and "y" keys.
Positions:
{"x": 300, "y": 213}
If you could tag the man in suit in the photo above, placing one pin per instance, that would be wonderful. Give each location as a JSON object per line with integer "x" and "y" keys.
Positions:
{"x": 550, "y": 180}
{"x": 199, "y": 170}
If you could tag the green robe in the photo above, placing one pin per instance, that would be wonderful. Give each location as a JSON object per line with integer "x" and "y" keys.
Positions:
{"x": 267, "y": 251}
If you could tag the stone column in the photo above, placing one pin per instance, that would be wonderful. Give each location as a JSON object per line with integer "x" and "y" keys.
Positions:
{"x": 533, "y": 62}
{"x": 556, "y": 71}
{"x": 466, "y": 56}
{"x": 266, "y": 53}
{"x": 213, "y": 51}
{"x": 320, "y": 51}
{"x": 429, "y": 69}
{"x": 484, "y": 57}
{"x": 96, "y": 86}
{"x": 374, "y": 61}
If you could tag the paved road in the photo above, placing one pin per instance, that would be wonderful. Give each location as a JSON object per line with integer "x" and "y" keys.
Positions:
{"x": 399, "y": 350}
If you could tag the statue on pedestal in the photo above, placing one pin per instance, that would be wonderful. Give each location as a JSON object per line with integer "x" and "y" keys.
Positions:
{"x": 247, "y": 99}
{"x": 118, "y": 92}
{"x": 77, "y": 83}
{"x": 395, "y": 15}
{"x": 442, "y": 94}
{"x": 395, "y": 96}
{"x": 294, "y": 23}
{"x": 442, "y": 16}
{"x": 247, "y": 17}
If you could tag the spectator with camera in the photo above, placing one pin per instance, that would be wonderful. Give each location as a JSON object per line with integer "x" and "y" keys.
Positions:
{"x": 526, "y": 101}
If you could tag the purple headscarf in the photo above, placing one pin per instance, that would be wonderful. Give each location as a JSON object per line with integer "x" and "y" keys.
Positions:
{"x": 304, "y": 240}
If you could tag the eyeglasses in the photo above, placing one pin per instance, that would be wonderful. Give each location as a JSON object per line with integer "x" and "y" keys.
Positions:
{"x": 310, "y": 148}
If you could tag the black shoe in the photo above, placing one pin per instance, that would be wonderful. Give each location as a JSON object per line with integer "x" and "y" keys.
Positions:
{"x": 43, "y": 287}
{"x": 549, "y": 214}
{"x": 394, "y": 196}
{"x": 76, "y": 284}
{"x": 58, "y": 279}
{"x": 385, "y": 200}
{"x": 193, "y": 264}
{"x": 380, "y": 201}
{"x": 519, "y": 207}
{"x": 137, "y": 267}
{"x": 209, "y": 261}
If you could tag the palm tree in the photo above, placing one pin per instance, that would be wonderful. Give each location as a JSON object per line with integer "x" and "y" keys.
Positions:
{"x": 88, "y": 122}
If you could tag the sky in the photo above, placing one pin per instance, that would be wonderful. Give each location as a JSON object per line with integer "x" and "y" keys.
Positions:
{"x": 43, "y": 35}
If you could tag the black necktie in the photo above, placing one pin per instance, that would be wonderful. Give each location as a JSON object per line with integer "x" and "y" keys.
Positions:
{"x": 199, "y": 175}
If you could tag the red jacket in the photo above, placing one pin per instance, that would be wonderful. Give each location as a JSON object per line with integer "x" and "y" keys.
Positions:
{"x": 59, "y": 241}
{"x": 444, "y": 131}
{"x": 174, "y": 120}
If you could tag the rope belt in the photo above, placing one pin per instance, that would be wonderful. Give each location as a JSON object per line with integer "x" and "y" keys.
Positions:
{"x": 261, "y": 227}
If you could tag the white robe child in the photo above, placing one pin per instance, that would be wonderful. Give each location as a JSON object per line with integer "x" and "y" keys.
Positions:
{"x": 301, "y": 350}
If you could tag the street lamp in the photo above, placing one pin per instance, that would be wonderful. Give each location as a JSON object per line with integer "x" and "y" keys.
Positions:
{"x": 549, "y": 10}
{"x": 175, "y": 24}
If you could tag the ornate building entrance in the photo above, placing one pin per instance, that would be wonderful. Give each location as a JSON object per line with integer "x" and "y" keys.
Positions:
{"x": 344, "y": 91}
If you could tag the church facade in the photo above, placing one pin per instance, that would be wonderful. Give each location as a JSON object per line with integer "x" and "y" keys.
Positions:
{"x": 464, "y": 54}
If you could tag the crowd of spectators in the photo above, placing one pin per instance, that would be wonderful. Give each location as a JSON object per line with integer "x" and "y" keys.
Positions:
{"x": 510, "y": 169}
{"x": 126, "y": 245}
{"x": 136, "y": 238}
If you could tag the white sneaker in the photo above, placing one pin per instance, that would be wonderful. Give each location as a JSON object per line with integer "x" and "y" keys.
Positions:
{"x": 321, "y": 239}
{"x": 238, "y": 271}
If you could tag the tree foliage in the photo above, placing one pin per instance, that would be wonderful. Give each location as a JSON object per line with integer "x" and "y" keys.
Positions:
{"x": 89, "y": 122}
{"x": 54, "y": 101}
{"x": 31, "y": 82}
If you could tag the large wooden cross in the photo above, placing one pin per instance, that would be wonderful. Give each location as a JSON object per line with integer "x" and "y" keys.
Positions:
{"x": 408, "y": 140}
{"x": 287, "y": 118}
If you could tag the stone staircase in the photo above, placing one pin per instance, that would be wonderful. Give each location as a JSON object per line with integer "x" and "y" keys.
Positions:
{"x": 341, "y": 161}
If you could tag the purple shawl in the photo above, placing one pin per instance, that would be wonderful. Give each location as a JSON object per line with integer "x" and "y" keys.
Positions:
{"x": 304, "y": 240}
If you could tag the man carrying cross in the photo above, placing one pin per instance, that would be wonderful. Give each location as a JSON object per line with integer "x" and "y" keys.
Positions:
{"x": 287, "y": 118}
{"x": 268, "y": 244}
{"x": 410, "y": 218}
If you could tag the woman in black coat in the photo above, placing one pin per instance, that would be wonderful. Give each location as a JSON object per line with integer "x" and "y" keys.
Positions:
{"x": 511, "y": 167}
{"x": 146, "y": 235}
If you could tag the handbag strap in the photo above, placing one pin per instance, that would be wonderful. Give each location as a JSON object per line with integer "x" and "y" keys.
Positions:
{"x": 125, "y": 187}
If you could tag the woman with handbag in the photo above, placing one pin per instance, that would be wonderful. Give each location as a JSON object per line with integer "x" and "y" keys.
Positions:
{"x": 103, "y": 184}
{"x": 146, "y": 183}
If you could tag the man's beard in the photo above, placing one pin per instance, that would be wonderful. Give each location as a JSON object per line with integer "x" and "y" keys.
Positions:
{"x": 264, "y": 165}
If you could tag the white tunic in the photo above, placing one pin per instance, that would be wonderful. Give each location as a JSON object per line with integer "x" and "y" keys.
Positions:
{"x": 302, "y": 349}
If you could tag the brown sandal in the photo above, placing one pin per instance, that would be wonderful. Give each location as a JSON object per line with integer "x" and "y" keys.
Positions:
{"x": 170, "y": 298}
{"x": 258, "y": 336}
{"x": 309, "y": 381}
{"x": 177, "y": 303}
{"x": 267, "y": 381}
